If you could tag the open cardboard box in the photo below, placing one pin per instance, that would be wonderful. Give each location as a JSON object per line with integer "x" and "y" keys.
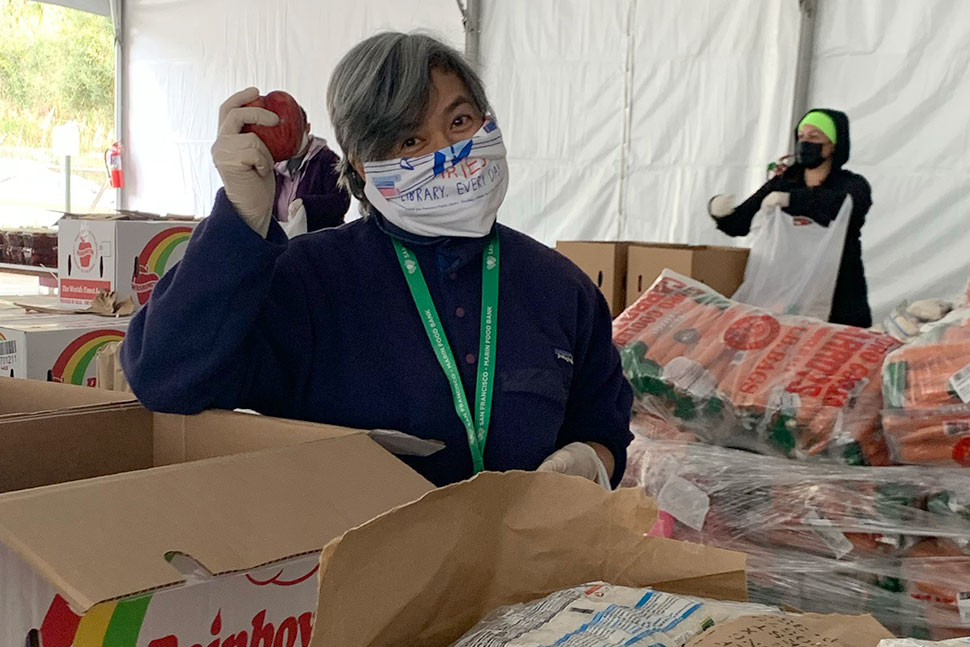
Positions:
{"x": 422, "y": 575}
{"x": 19, "y": 397}
{"x": 161, "y": 530}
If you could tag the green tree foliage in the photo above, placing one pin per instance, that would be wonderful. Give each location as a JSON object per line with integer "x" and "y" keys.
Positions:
{"x": 56, "y": 65}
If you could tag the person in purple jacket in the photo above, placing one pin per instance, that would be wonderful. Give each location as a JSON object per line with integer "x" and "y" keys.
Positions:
{"x": 425, "y": 316}
{"x": 307, "y": 195}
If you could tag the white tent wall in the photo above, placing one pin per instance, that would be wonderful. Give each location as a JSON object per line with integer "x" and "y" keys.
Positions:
{"x": 555, "y": 74}
{"x": 622, "y": 117}
{"x": 185, "y": 57}
{"x": 712, "y": 93}
{"x": 901, "y": 70}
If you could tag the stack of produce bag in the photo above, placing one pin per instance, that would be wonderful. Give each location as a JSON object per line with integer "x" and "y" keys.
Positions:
{"x": 733, "y": 375}
{"x": 926, "y": 385}
{"x": 823, "y": 538}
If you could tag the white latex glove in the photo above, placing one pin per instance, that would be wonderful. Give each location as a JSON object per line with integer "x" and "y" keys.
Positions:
{"x": 779, "y": 199}
{"x": 295, "y": 224}
{"x": 295, "y": 207}
{"x": 721, "y": 205}
{"x": 578, "y": 459}
{"x": 244, "y": 162}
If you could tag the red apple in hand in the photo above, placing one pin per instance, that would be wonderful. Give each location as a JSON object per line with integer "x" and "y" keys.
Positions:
{"x": 283, "y": 140}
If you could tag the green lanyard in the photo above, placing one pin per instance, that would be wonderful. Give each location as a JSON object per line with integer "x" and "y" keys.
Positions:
{"x": 476, "y": 427}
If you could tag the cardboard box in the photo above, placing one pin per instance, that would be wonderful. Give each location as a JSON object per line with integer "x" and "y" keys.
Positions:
{"x": 605, "y": 263}
{"x": 125, "y": 252}
{"x": 504, "y": 539}
{"x": 19, "y": 397}
{"x": 10, "y": 307}
{"x": 722, "y": 268}
{"x": 56, "y": 348}
{"x": 197, "y": 530}
{"x": 625, "y": 270}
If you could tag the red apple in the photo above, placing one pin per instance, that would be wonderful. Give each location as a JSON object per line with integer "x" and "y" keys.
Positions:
{"x": 283, "y": 140}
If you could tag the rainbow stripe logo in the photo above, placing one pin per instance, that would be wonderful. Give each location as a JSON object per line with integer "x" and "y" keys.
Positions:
{"x": 72, "y": 365}
{"x": 154, "y": 259}
{"x": 112, "y": 623}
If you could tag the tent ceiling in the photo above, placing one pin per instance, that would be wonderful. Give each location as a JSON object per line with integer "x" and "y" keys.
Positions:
{"x": 100, "y": 7}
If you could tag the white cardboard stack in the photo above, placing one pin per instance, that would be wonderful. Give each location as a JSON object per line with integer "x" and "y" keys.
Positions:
{"x": 126, "y": 253}
{"x": 56, "y": 348}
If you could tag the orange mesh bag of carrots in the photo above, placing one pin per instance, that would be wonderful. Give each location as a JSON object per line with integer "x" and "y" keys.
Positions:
{"x": 737, "y": 376}
{"x": 926, "y": 386}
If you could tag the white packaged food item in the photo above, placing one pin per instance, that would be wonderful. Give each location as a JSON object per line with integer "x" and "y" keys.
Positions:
{"x": 603, "y": 615}
{"x": 912, "y": 642}
{"x": 930, "y": 310}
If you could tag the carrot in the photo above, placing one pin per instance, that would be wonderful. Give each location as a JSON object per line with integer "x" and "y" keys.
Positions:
{"x": 926, "y": 452}
{"x": 712, "y": 336}
{"x": 661, "y": 347}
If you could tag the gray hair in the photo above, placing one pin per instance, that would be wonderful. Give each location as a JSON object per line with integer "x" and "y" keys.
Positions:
{"x": 380, "y": 92}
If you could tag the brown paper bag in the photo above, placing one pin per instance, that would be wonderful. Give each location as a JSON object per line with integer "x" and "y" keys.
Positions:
{"x": 422, "y": 575}
{"x": 110, "y": 375}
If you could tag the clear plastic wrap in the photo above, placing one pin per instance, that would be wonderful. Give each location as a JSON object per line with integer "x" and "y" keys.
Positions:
{"x": 603, "y": 615}
{"x": 892, "y": 542}
{"x": 736, "y": 376}
{"x": 926, "y": 388}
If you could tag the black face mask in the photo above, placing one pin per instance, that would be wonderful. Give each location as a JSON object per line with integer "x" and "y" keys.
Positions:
{"x": 809, "y": 154}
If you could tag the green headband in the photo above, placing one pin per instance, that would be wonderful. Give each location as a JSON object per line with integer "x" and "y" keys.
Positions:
{"x": 823, "y": 122}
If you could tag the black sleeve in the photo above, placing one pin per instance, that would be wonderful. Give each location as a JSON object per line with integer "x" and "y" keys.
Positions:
{"x": 326, "y": 210}
{"x": 739, "y": 222}
{"x": 822, "y": 204}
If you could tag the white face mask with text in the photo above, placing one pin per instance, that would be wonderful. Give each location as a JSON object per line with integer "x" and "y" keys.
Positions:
{"x": 455, "y": 191}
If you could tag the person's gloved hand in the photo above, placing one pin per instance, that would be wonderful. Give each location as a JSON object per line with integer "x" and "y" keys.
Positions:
{"x": 578, "y": 459}
{"x": 244, "y": 162}
{"x": 294, "y": 208}
{"x": 780, "y": 199}
{"x": 721, "y": 205}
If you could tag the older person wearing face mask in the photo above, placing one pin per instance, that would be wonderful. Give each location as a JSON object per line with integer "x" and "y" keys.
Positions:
{"x": 307, "y": 196}
{"x": 815, "y": 187}
{"x": 425, "y": 316}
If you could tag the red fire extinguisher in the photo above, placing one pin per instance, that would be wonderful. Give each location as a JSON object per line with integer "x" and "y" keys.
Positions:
{"x": 112, "y": 163}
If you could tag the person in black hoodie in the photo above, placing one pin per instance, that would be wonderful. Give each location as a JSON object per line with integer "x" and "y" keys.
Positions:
{"x": 815, "y": 187}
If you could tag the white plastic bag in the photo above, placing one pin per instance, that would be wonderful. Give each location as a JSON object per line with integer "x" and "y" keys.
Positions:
{"x": 794, "y": 263}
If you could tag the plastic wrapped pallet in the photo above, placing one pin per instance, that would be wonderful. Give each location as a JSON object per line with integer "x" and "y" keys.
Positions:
{"x": 823, "y": 538}
{"x": 736, "y": 376}
{"x": 926, "y": 386}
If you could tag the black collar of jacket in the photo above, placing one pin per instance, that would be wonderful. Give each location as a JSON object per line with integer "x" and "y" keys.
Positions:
{"x": 453, "y": 252}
